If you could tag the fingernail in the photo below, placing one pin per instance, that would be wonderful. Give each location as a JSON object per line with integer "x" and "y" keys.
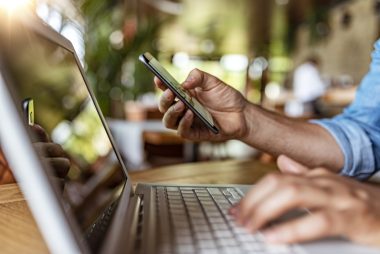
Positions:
{"x": 179, "y": 106}
{"x": 188, "y": 115}
{"x": 189, "y": 79}
{"x": 167, "y": 94}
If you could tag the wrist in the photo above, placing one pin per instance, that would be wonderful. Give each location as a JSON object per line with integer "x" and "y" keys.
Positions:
{"x": 249, "y": 114}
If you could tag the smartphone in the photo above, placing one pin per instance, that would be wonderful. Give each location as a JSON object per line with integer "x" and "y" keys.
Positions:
{"x": 28, "y": 109}
{"x": 193, "y": 104}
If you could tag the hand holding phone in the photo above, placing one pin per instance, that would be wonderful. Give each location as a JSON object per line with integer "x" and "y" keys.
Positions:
{"x": 192, "y": 103}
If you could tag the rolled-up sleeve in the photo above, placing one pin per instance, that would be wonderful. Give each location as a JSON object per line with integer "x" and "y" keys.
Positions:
{"x": 359, "y": 161}
{"x": 357, "y": 129}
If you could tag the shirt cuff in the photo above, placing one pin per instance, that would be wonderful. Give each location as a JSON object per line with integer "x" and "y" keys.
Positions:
{"x": 359, "y": 161}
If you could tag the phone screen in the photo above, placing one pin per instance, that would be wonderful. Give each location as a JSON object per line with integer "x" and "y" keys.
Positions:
{"x": 170, "y": 81}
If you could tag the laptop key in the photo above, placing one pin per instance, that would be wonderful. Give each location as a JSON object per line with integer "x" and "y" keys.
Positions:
{"x": 203, "y": 236}
{"x": 214, "y": 191}
{"x": 185, "y": 248}
{"x": 228, "y": 242}
{"x": 209, "y": 251}
{"x": 206, "y": 244}
{"x": 183, "y": 239}
{"x": 277, "y": 249}
{"x": 217, "y": 227}
{"x": 201, "y": 228}
{"x": 234, "y": 250}
{"x": 223, "y": 234}
{"x": 174, "y": 189}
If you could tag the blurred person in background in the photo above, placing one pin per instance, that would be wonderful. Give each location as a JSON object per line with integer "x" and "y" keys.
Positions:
{"x": 308, "y": 86}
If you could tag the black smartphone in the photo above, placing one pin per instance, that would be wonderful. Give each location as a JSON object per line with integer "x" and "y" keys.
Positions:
{"x": 193, "y": 104}
{"x": 28, "y": 109}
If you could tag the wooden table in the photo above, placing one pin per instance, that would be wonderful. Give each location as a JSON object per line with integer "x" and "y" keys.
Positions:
{"x": 19, "y": 233}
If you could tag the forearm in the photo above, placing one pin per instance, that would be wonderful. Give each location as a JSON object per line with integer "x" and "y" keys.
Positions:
{"x": 307, "y": 143}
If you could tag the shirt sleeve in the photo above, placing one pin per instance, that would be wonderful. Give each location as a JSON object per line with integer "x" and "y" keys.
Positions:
{"x": 357, "y": 129}
{"x": 355, "y": 144}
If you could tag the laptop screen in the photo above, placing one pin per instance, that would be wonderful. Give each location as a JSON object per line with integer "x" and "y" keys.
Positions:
{"x": 50, "y": 86}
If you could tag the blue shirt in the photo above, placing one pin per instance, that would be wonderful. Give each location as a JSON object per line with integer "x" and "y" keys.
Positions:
{"x": 357, "y": 130}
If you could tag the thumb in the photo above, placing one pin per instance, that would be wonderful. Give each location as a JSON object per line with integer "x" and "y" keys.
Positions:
{"x": 203, "y": 80}
{"x": 287, "y": 165}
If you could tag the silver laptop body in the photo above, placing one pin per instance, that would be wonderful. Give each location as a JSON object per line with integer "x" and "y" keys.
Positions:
{"x": 98, "y": 210}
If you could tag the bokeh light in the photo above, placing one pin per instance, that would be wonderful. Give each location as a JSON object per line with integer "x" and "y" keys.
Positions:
{"x": 12, "y": 6}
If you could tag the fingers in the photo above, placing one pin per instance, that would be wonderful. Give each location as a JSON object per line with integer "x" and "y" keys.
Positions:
{"x": 282, "y": 201}
{"x": 40, "y": 133}
{"x": 159, "y": 84}
{"x": 318, "y": 172}
{"x": 166, "y": 101}
{"x": 172, "y": 116}
{"x": 61, "y": 166}
{"x": 184, "y": 127}
{"x": 307, "y": 228}
{"x": 55, "y": 156}
{"x": 287, "y": 165}
{"x": 202, "y": 80}
{"x": 258, "y": 193}
{"x": 49, "y": 149}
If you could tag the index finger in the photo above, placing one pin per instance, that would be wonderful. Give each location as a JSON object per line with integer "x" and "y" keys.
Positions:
{"x": 159, "y": 84}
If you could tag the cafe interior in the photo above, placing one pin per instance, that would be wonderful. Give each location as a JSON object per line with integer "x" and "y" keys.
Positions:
{"x": 256, "y": 46}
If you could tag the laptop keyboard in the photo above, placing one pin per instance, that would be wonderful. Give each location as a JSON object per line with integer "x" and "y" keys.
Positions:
{"x": 196, "y": 220}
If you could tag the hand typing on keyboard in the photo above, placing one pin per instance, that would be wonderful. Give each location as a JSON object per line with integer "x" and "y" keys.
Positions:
{"x": 196, "y": 220}
{"x": 331, "y": 199}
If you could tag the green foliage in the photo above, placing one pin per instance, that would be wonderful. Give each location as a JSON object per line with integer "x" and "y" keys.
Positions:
{"x": 114, "y": 71}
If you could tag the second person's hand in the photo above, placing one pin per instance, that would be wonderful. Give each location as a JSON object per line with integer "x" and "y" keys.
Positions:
{"x": 337, "y": 205}
{"x": 225, "y": 104}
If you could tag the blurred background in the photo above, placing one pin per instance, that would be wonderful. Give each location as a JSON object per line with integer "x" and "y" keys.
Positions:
{"x": 301, "y": 58}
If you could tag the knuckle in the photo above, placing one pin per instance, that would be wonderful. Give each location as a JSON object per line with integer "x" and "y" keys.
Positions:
{"x": 362, "y": 195}
{"x": 361, "y": 206}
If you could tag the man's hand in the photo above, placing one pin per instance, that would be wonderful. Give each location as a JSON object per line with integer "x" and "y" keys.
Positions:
{"x": 54, "y": 156}
{"x": 338, "y": 206}
{"x": 225, "y": 104}
{"x": 51, "y": 153}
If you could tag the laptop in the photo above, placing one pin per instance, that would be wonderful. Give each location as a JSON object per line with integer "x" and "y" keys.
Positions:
{"x": 96, "y": 209}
